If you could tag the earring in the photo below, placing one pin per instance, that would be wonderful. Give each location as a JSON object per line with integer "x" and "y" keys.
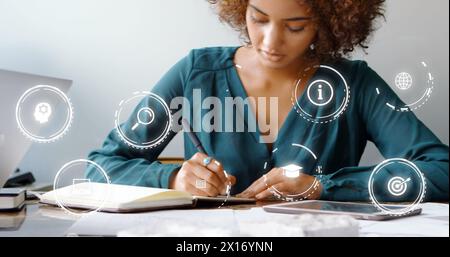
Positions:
{"x": 312, "y": 47}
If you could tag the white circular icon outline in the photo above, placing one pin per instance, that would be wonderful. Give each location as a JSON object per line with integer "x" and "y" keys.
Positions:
{"x": 70, "y": 164}
{"x": 400, "y": 78}
{"x": 325, "y": 118}
{"x": 422, "y": 99}
{"x": 150, "y": 144}
{"x": 299, "y": 196}
{"x": 408, "y": 208}
{"x": 55, "y": 136}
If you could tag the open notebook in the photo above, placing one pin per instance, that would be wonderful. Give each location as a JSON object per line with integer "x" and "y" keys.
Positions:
{"x": 121, "y": 198}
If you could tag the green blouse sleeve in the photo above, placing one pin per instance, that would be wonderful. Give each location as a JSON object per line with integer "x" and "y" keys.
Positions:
{"x": 396, "y": 135}
{"x": 130, "y": 166}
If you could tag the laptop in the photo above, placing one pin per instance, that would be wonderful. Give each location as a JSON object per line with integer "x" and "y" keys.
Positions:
{"x": 13, "y": 144}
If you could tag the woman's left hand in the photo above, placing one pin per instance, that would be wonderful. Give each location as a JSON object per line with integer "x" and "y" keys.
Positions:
{"x": 301, "y": 186}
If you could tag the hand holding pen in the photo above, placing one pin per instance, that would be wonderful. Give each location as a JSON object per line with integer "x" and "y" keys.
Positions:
{"x": 201, "y": 175}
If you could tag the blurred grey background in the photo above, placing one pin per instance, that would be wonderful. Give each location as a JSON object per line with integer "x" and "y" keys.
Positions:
{"x": 110, "y": 48}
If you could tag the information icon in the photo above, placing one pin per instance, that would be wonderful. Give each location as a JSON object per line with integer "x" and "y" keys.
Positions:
{"x": 324, "y": 99}
{"x": 320, "y": 93}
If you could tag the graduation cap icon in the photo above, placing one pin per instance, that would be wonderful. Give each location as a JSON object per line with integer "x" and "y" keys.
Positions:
{"x": 292, "y": 171}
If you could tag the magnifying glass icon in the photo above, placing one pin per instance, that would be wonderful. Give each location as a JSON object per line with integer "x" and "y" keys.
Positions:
{"x": 146, "y": 112}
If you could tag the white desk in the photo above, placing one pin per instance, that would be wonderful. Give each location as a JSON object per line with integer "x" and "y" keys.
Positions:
{"x": 39, "y": 220}
{"x": 434, "y": 221}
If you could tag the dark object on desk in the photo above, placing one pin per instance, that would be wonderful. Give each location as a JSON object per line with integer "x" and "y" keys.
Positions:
{"x": 19, "y": 180}
{"x": 12, "y": 221}
{"x": 11, "y": 199}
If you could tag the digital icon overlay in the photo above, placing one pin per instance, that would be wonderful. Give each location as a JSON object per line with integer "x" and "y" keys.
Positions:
{"x": 71, "y": 185}
{"x": 396, "y": 180}
{"x": 44, "y": 113}
{"x": 325, "y": 99}
{"x": 148, "y": 125}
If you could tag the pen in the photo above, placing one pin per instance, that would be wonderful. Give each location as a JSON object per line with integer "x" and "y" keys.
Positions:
{"x": 194, "y": 139}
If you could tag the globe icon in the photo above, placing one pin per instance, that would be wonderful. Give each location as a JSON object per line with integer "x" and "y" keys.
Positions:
{"x": 403, "y": 81}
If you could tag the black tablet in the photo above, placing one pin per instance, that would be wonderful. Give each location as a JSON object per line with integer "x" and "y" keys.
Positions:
{"x": 363, "y": 211}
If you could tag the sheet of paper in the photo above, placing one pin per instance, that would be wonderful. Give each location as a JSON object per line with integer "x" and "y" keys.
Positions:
{"x": 257, "y": 222}
{"x": 217, "y": 222}
{"x": 433, "y": 222}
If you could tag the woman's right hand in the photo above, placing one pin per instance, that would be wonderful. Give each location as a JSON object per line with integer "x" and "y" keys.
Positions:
{"x": 196, "y": 179}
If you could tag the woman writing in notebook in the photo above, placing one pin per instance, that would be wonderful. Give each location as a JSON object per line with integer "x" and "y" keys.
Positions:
{"x": 285, "y": 40}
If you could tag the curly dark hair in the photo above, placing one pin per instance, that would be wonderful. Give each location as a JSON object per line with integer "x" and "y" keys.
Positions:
{"x": 343, "y": 25}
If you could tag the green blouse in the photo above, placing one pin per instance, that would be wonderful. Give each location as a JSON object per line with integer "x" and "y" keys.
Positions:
{"x": 338, "y": 145}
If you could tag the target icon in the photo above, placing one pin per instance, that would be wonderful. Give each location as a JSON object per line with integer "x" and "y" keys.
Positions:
{"x": 404, "y": 179}
{"x": 397, "y": 186}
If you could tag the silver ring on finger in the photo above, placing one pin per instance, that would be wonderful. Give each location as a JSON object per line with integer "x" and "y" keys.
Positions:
{"x": 200, "y": 183}
{"x": 207, "y": 161}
